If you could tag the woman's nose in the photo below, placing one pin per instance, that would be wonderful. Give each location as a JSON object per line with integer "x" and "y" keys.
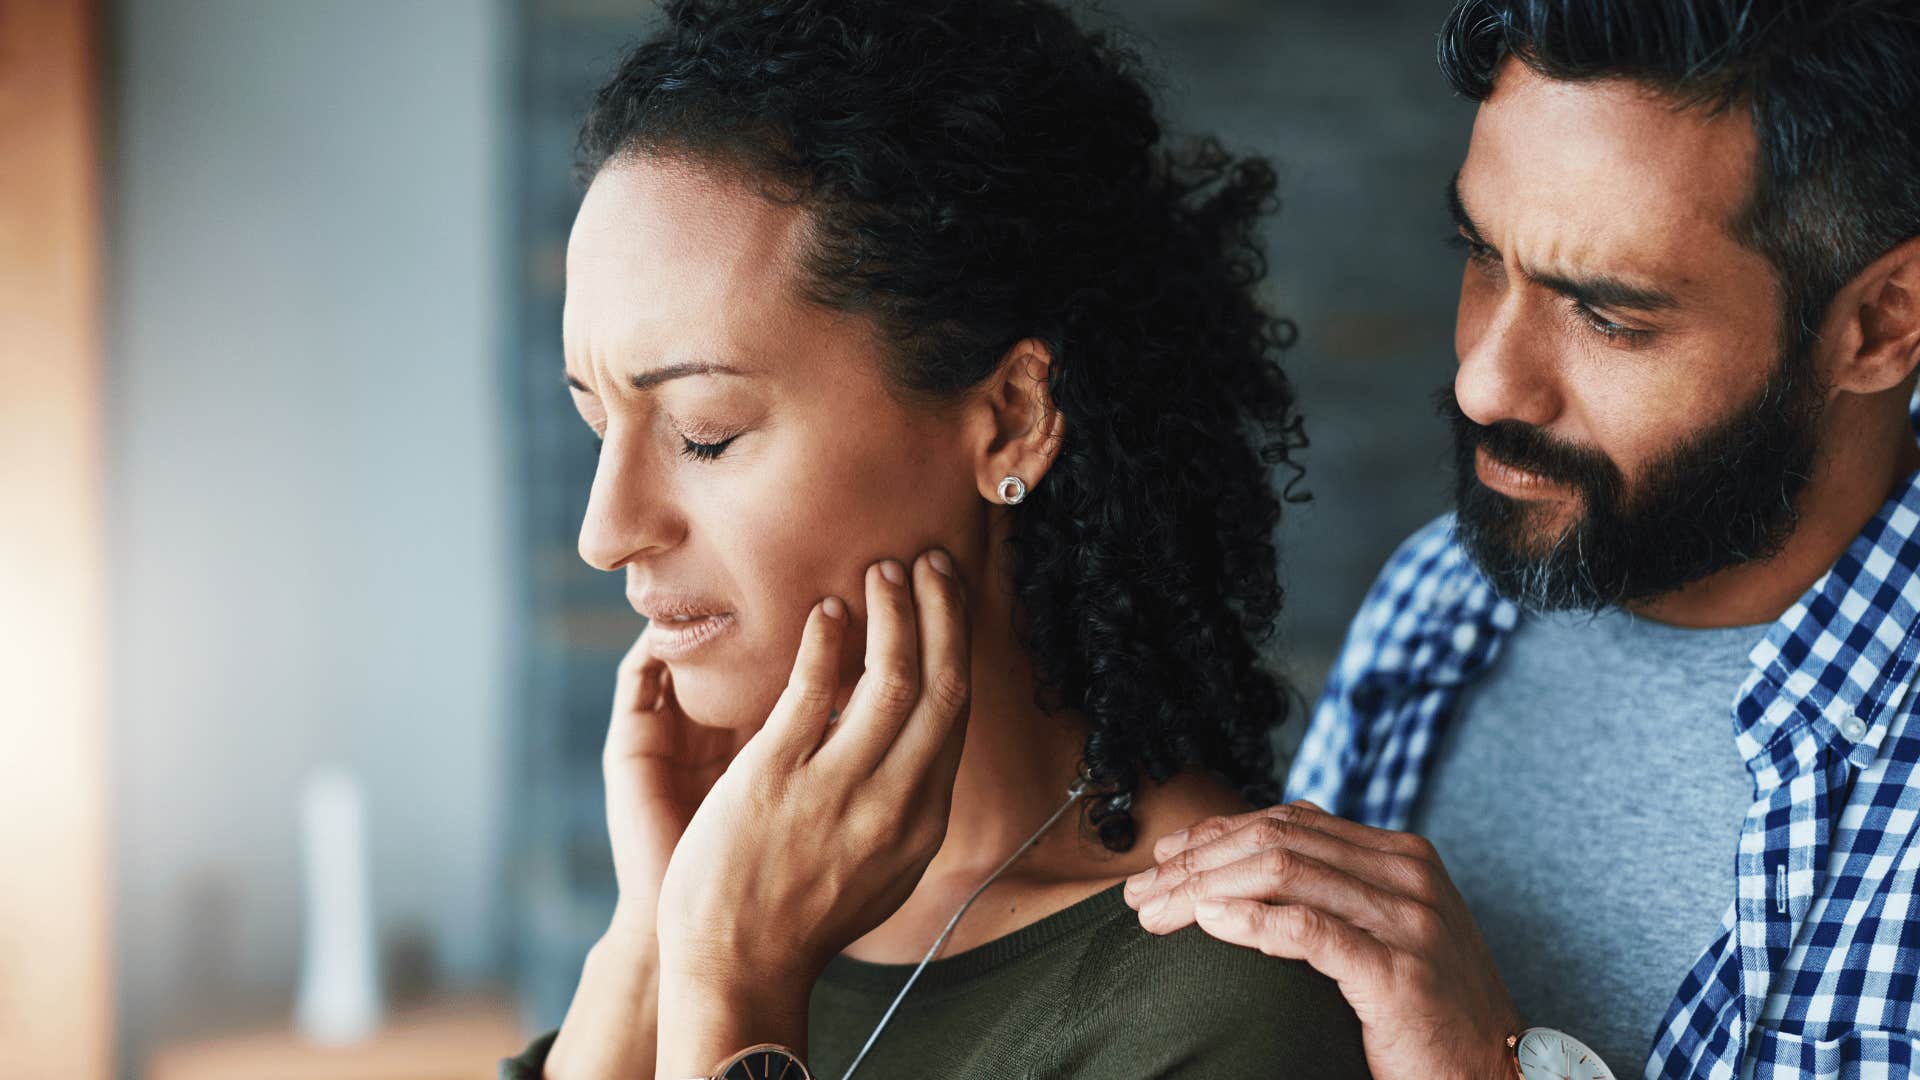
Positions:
{"x": 629, "y": 513}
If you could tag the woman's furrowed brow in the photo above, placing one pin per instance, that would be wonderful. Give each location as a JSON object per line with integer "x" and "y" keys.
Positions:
{"x": 648, "y": 380}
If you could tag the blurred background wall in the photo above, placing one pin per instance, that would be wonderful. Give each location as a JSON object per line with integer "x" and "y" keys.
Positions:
{"x": 55, "y": 1003}
{"x": 309, "y": 457}
{"x": 344, "y": 482}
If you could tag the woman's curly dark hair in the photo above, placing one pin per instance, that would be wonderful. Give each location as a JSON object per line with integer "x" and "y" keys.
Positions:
{"x": 979, "y": 172}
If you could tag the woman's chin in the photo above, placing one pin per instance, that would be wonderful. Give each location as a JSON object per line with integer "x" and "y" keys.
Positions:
{"x": 711, "y": 699}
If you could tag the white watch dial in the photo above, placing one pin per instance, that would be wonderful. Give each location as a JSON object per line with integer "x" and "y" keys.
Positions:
{"x": 1546, "y": 1054}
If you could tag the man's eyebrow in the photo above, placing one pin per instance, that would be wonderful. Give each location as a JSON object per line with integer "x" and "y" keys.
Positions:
{"x": 1605, "y": 291}
{"x": 1593, "y": 290}
{"x": 1458, "y": 208}
{"x": 647, "y": 380}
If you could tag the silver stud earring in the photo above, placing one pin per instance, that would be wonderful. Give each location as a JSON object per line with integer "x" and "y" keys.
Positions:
{"x": 1012, "y": 489}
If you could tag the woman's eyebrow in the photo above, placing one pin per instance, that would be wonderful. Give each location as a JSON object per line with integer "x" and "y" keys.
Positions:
{"x": 647, "y": 380}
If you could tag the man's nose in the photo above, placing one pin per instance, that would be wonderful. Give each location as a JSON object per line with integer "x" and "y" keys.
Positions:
{"x": 1507, "y": 364}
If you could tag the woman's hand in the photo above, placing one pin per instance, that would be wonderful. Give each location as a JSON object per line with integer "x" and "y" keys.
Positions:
{"x": 818, "y": 830}
{"x": 658, "y": 767}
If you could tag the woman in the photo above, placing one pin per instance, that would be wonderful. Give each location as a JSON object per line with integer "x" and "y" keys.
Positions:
{"x": 938, "y": 420}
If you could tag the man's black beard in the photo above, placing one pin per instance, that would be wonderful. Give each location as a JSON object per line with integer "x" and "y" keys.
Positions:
{"x": 1724, "y": 496}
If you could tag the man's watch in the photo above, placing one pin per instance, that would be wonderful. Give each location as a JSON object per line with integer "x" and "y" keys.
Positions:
{"x": 1541, "y": 1053}
{"x": 767, "y": 1061}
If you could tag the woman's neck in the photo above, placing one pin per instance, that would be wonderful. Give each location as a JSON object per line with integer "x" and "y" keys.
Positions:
{"x": 1014, "y": 772}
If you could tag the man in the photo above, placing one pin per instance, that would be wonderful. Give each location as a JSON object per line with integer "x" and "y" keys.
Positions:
{"x": 1642, "y": 711}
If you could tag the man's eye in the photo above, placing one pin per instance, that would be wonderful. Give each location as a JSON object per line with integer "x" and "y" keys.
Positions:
{"x": 1606, "y": 327}
{"x": 1477, "y": 252}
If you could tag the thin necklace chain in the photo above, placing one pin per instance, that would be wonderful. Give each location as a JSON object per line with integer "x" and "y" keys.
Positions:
{"x": 1076, "y": 791}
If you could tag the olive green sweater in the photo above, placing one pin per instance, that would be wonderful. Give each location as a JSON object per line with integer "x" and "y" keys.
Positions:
{"x": 1083, "y": 992}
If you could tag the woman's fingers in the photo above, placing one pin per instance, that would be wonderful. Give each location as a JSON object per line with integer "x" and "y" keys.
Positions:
{"x": 934, "y": 733}
{"x": 663, "y": 691}
{"x": 638, "y": 685}
{"x": 890, "y": 685}
{"x": 800, "y": 717}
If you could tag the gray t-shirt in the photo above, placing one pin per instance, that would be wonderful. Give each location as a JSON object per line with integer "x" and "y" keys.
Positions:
{"x": 1587, "y": 799}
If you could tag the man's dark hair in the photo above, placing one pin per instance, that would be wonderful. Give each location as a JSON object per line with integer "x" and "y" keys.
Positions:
{"x": 979, "y": 172}
{"x": 1833, "y": 87}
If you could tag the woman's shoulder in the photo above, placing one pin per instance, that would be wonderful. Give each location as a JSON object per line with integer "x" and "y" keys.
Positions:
{"x": 1190, "y": 1005}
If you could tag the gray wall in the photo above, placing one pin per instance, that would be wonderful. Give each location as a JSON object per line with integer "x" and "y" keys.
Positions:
{"x": 309, "y": 510}
{"x": 1347, "y": 100}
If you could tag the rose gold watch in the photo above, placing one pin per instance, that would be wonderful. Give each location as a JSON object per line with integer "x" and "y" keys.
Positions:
{"x": 767, "y": 1061}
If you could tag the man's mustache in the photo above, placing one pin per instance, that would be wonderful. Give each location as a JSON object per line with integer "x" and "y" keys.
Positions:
{"x": 1526, "y": 447}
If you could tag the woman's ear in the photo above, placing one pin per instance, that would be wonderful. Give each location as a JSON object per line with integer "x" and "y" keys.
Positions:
{"x": 1018, "y": 426}
{"x": 1873, "y": 327}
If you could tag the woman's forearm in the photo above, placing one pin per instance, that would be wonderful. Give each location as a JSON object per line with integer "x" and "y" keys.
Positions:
{"x": 612, "y": 1024}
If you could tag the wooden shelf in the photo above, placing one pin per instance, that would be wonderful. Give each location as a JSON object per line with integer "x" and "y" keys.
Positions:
{"x": 455, "y": 1039}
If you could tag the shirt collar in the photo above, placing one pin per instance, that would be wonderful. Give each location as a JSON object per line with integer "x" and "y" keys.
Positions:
{"x": 1836, "y": 666}
{"x": 1441, "y": 623}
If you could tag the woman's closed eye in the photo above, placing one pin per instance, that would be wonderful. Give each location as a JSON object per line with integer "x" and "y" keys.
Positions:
{"x": 698, "y": 451}
{"x": 705, "y": 451}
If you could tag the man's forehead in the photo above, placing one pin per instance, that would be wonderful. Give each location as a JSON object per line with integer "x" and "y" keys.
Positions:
{"x": 1579, "y": 168}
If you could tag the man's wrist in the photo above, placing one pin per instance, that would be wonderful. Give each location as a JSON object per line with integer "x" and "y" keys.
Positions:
{"x": 1507, "y": 1066}
{"x": 1512, "y": 1026}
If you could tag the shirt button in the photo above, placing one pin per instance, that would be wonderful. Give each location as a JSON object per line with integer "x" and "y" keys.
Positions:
{"x": 1854, "y": 728}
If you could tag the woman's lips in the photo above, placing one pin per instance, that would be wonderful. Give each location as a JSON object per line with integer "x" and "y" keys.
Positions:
{"x": 1514, "y": 483}
{"x": 679, "y": 621}
{"x": 678, "y": 638}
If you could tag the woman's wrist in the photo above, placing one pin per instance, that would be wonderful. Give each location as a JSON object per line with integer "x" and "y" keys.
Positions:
{"x": 705, "y": 1016}
{"x": 611, "y": 1026}
{"x": 634, "y": 928}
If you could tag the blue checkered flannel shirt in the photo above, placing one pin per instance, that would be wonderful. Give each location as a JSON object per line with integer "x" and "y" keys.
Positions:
{"x": 1814, "y": 970}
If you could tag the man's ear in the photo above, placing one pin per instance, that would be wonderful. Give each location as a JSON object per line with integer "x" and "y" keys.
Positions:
{"x": 1873, "y": 326}
{"x": 1018, "y": 428}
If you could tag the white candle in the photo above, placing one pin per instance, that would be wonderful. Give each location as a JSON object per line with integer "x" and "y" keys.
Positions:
{"x": 340, "y": 995}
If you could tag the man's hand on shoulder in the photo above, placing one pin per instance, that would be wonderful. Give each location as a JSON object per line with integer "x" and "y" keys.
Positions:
{"x": 1369, "y": 908}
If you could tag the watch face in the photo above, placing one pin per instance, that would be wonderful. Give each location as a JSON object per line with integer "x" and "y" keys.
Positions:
{"x": 1546, "y": 1054}
{"x": 765, "y": 1065}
